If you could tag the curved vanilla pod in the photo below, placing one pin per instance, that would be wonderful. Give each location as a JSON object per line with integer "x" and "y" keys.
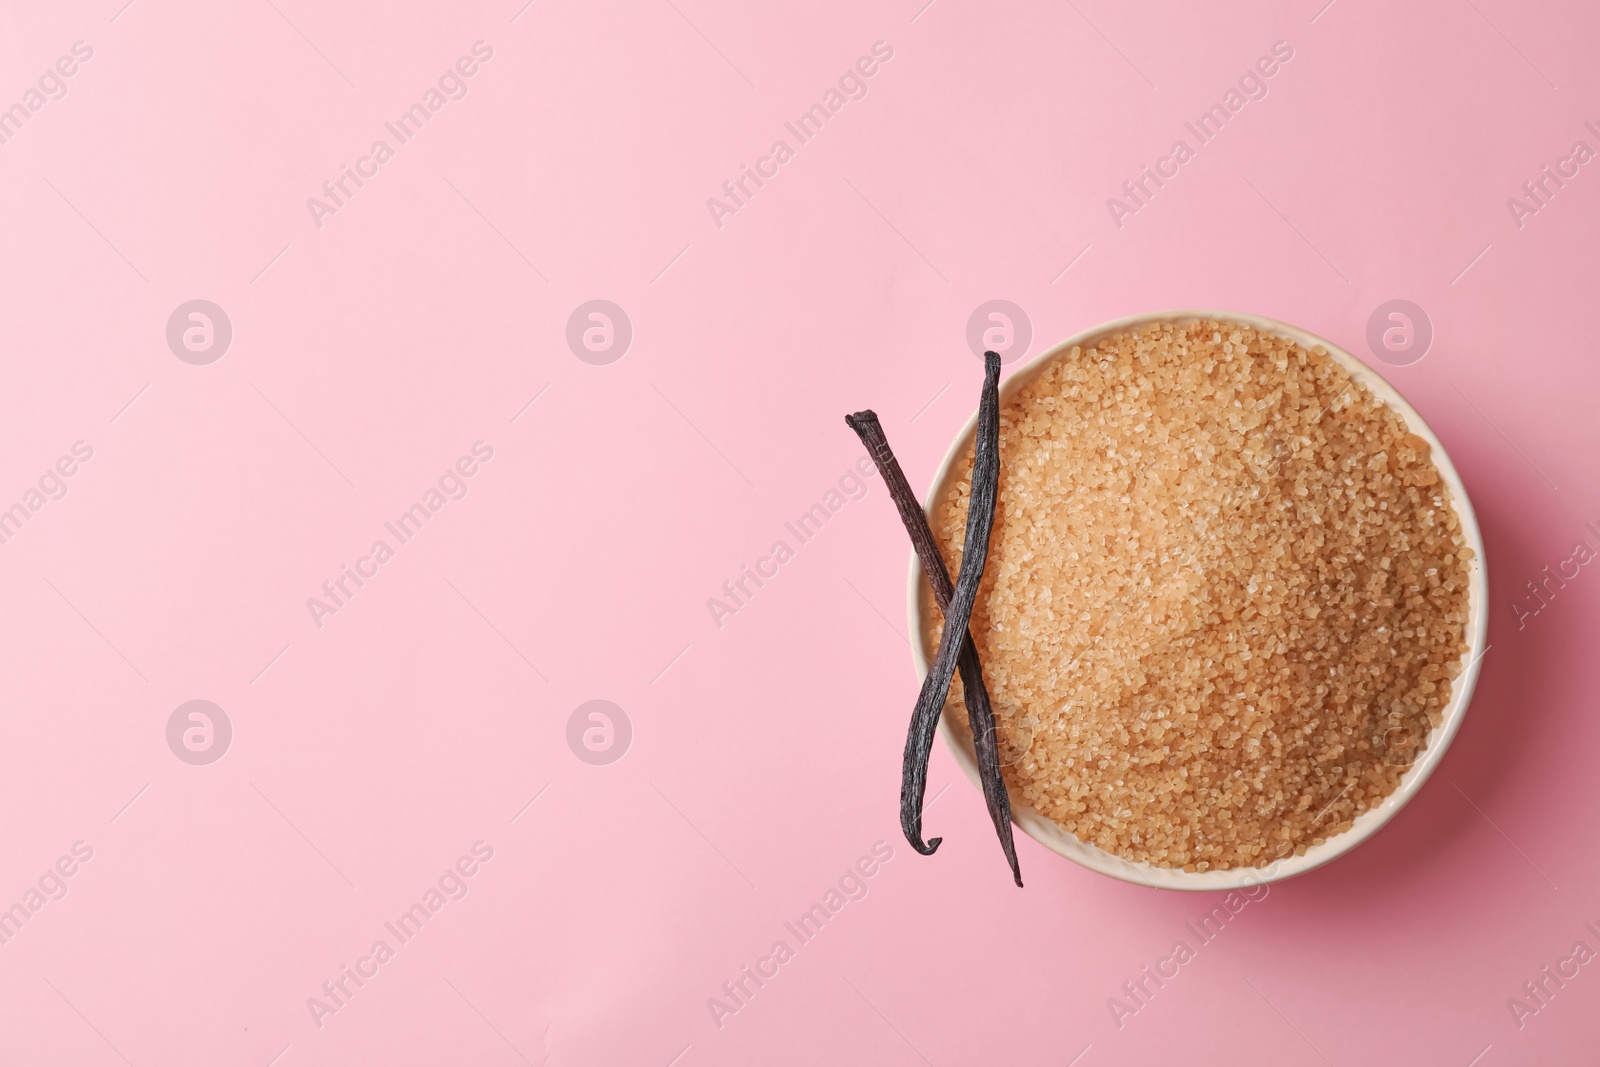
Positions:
{"x": 975, "y": 552}
{"x": 980, "y": 714}
{"x": 936, "y": 686}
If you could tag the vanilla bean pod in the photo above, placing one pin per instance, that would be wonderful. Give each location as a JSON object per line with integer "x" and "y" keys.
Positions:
{"x": 957, "y": 611}
{"x": 980, "y": 714}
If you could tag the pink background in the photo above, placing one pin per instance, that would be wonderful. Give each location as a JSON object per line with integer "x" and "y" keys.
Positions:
{"x": 372, "y": 351}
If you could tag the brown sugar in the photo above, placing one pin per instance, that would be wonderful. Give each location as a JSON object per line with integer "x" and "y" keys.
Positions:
{"x": 1225, "y": 599}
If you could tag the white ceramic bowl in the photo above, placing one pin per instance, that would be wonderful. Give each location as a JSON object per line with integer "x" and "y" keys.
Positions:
{"x": 1053, "y": 836}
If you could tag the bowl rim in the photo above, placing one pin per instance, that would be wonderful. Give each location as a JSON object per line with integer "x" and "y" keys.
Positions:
{"x": 1047, "y": 832}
